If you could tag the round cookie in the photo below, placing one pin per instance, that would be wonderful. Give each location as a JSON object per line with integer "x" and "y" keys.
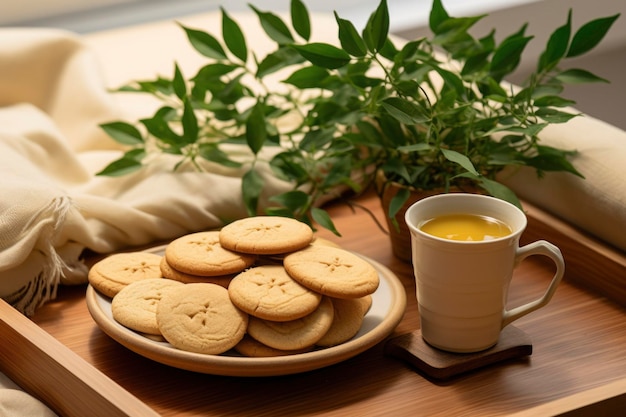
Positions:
{"x": 116, "y": 271}
{"x": 136, "y": 304}
{"x": 295, "y": 334}
{"x": 173, "y": 274}
{"x": 201, "y": 318}
{"x": 332, "y": 271}
{"x": 269, "y": 293}
{"x": 266, "y": 235}
{"x": 201, "y": 254}
{"x": 366, "y": 303}
{"x": 250, "y": 347}
{"x": 347, "y": 320}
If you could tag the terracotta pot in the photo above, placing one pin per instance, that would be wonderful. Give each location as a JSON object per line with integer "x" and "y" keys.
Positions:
{"x": 399, "y": 235}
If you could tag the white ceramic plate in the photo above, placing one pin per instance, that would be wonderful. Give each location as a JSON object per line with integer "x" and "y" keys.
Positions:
{"x": 388, "y": 306}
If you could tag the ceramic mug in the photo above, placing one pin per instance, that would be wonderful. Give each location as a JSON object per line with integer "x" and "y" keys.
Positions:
{"x": 462, "y": 286}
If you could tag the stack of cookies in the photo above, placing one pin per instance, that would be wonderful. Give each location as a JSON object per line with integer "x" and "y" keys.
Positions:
{"x": 262, "y": 286}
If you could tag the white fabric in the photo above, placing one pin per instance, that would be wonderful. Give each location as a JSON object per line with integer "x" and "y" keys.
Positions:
{"x": 15, "y": 402}
{"x": 597, "y": 203}
{"x": 53, "y": 206}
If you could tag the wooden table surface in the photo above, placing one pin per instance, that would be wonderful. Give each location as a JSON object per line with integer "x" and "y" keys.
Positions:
{"x": 579, "y": 344}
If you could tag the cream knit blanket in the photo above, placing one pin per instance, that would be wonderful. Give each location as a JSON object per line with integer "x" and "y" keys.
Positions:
{"x": 52, "y": 206}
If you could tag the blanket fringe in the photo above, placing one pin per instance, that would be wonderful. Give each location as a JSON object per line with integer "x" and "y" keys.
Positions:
{"x": 43, "y": 287}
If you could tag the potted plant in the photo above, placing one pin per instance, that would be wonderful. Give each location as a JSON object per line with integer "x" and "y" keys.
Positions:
{"x": 428, "y": 114}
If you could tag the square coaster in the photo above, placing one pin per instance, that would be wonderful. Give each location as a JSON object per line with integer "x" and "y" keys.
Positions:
{"x": 439, "y": 364}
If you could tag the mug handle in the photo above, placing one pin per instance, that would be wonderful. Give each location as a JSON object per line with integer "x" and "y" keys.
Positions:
{"x": 541, "y": 247}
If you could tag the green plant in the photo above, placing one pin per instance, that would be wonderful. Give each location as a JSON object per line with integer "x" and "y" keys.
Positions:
{"x": 430, "y": 113}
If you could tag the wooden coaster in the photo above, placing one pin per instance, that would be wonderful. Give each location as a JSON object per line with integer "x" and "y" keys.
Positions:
{"x": 439, "y": 364}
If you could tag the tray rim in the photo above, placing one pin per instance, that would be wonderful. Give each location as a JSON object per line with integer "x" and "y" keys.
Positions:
{"x": 45, "y": 368}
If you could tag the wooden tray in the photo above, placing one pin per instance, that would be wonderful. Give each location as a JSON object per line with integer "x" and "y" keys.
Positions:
{"x": 589, "y": 261}
{"x": 58, "y": 377}
{"x": 71, "y": 386}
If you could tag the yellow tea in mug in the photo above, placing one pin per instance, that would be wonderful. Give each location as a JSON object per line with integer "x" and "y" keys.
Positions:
{"x": 466, "y": 227}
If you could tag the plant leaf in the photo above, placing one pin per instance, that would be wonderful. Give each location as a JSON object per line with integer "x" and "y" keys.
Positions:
{"x": 123, "y": 133}
{"x": 453, "y": 35}
{"x": 541, "y": 91}
{"x": 508, "y": 56}
{"x": 404, "y": 111}
{"x": 438, "y": 15}
{"x": 396, "y": 167}
{"x": 323, "y": 55}
{"x": 287, "y": 165}
{"x": 233, "y": 37}
{"x": 160, "y": 85}
{"x": 204, "y": 43}
{"x": 307, "y": 77}
{"x": 531, "y": 130}
{"x": 556, "y": 47}
{"x": 211, "y": 72}
{"x": 230, "y": 92}
{"x": 158, "y": 126}
{"x": 476, "y": 63}
{"x": 377, "y": 28}
{"x": 554, "y": 101}
{"x": 389, "y": 50}
{"x": 499, "y": 190}
{"x": 120, "y": 167}
{"x": 579, "y": 76}
{"x": 494, "y": 90}
{"x": 322, "y": 218}
{"x": 211, "y": 152}
{"x": 554, "y": 116}
{"x": 300, "y": 19}
{"x": 277, "y": 60}
{"x": 366, "y": 134}
{"x": 590, "y": 35}
{"x": 292, "y": 200}
{"x": 251, "y": 188}
{"x": 128, "y": 163}
{"x": 314, "y": 140}
{"x": 416, "y": 147}
{"x": 452, "y": 80}
{"x": 397, "y": 201}
{"x": 178, "y": 83}
{"x": 274, "y": 27}
{"x": 190, "y": 122}
{"x": 350, "y": 39}
{"x": 552, "y": 159}
{"x": 460, "y": 159}
{"x": 339, "y": 173}
{"x": 256, "y": 131}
